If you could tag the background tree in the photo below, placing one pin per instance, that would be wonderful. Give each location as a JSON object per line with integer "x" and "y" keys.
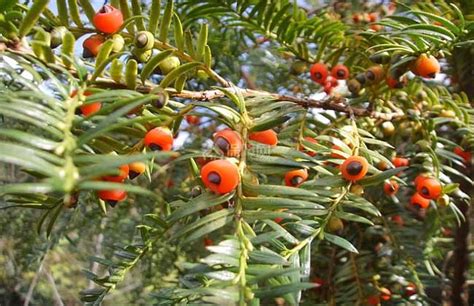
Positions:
{"x": 254, "y": 152}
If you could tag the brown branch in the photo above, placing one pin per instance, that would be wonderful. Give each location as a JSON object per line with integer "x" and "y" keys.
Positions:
{"x": 99, "y": 239}
{"x": 460, "y": 293}
{"x": 338, "y": 104}
{"x": 330, "y": 292}
{"x": 360, "y": 294}
{"x": 463, "y": 67}
{"x": 248, "y": 79}
{"x": 34, "y": 282}
{"x": 334, "y": 103}
{"x": 56, "y": 295}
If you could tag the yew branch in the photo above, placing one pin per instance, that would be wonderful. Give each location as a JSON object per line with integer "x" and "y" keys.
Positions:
{"x": 335, "y": 103}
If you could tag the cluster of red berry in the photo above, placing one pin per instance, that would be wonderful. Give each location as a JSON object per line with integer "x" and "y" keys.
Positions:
{"x": 222, "y": 176}
{"x": 427, "y": 188}
{"x": 156, "y": 139}
{"x": 320, "y": 74}
{"x": 426, "y": 66}
{"x": 108, "y": 20}
{"x": 130, "y": 171}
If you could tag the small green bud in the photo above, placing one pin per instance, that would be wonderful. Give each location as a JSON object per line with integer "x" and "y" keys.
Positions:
{"x": 142, "y": 56}
{"x": 119, "y": 42}
{"x": 144, "y": 40}
{"x": 169, "y": 64}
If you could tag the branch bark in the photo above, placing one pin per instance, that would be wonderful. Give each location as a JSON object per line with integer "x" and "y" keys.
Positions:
{"x": 459, "y": 292}
{"x": 56, "y": 295}
{"x": 34, "y": 282}
{"x": 98, "y": 251}
{"x": 463, "y": 66}
{"x": 335, "y": 103}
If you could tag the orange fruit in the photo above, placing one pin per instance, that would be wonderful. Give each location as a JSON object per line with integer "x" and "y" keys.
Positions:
{"x": 268, "y": 137}
{"x": 295, "y": 178}
{"x": 159, "y": 139}
{"x": 220, "y": 176}
{"x": 426, "y": 66}
{"x": 123, "y": 173}
{"x": 429, "y": 188}
{"x": 354, "y": 168}
{"x": 391, "y": 188}
{"x": 418, "y": 200}
{"x": 229, "y": 142}
{"x": 91, "y": 45}
{"x": 108, "y": 19}
{"x": 111, "y": 197}
{"x": 340, "y": 72}
{"x": 319, "y": 72}
{"x": 135, "y": 169}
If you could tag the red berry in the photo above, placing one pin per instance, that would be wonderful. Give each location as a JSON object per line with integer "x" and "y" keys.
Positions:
{"x": 340, "y": 72}
{"x": 124, "y": 169}
{"x": 397, "y": 219}
{"x": 328, "y": 87}
{"x": 385, "y": 294}
{"x": 429, "y": 188}
{"x": 356, "y": 18}
{"x": 373, "y": 17}
{"x": 220, "y": 176}
{"x": 373, "y": 300}
{"x": 319, "y": 72}
{"x": 419, "y": 179}
{"x": 400, "y": 162}
{"x": 295, "y": 178}
{"x": 108, "y": 19}
{"x": 376, "y": 27}
{"x": 466, "y": 155}
{"x": 410, "y": 289}
{"x": 193, "y": 120}
{"x": 396, "y": 83}
{"x": 391, "y": 188}
{"x": 334, "y": 154}
{"x": 426, "y": 66}
{"x": 329, "y": 84}
{"x": 135, "y": 169}
{"x": 229, "y": 142}
{"x": 159, "y": 139}
{"x": 91, "y": 45}
{"x": 332, "y": 80}
{"x": 208, "y": 242}
{"x": 354, "y": 168}
{"x": 111, "y": 197}
{"x": 268, "y": 137}
{"x": 418, "y": 200}
{"x": 89, "y": 108}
